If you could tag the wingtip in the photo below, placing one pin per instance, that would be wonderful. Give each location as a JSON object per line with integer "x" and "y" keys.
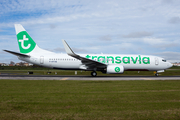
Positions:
{"x": 64, "y": 41}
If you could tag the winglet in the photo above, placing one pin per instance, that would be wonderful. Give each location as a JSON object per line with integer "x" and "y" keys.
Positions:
{"x": 69, "y": 51}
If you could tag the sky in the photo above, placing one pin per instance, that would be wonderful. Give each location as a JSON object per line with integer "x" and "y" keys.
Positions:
{"x": 147, "y": 27}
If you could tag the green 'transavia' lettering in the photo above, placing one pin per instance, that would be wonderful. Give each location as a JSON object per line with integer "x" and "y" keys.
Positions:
{"x": 146, "y": 60}
{"x": 126, "y": 60}
{"x": 119, "y": 59}
{"x": 134, "y": 61}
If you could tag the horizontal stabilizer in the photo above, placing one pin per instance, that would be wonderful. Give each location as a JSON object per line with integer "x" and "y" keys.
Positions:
{"x": 16, "y": 53}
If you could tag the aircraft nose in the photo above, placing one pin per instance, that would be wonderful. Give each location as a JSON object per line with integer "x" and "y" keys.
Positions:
{"x": 170, "y": 64}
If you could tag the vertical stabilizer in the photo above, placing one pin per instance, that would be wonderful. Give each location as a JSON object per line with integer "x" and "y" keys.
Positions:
{"x": 25, "y": 42}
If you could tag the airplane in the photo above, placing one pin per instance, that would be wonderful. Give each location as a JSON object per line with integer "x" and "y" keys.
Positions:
{"x": 106, "y": 63}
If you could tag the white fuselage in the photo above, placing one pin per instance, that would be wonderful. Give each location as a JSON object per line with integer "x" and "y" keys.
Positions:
{"x": 130, "y": 62}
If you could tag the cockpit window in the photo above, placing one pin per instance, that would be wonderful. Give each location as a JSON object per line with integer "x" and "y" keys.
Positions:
{"x": 163, "y": 60}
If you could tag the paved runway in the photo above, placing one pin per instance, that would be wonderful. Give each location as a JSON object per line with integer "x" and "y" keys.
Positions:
{"x": 47, "y": 77}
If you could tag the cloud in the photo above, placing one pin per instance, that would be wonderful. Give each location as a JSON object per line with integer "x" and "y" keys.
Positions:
{"x": 167, "y": 1}
{"x": 172, "y": 56}
{"x": 174, "y": 20}
{"x": 53, "y": 26}
{"x": 3, "y": 52}
{"x": 154, "y": 41}
{"x": 138, "y": 34}
{"x": 80, "y": 50}
{"x": 50, "y": 19}
{"x": 167, "y": 45}
{"x": 76, "y": 50}
{"x": 161, "y": 43}
{"x": 58, "y": 50}
{"x": 85, "y": 22}
{"x": 106, "y": 38}
{"x": 38, "y": 7}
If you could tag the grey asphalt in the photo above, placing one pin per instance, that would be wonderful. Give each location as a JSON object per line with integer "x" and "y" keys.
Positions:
{"x": 58, "y": 77}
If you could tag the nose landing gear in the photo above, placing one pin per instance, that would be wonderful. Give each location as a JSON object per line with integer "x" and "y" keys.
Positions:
{"x": 156, "y": 74}
{"x": 159, "y": 71}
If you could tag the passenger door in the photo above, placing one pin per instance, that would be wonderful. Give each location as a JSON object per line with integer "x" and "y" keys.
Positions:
{"x": 156, "y": 61}
{"x": 42, "y": 60}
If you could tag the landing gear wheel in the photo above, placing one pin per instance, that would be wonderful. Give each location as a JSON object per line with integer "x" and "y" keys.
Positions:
{"x": 156, "y": 74}
{"x": 93, "y": 73}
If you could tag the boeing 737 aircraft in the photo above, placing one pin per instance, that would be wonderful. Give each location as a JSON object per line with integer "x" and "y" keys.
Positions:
{"x": 106, "y": 63}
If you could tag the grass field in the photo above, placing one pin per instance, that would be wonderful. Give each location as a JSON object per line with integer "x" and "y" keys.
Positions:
{"x": 86, "y": 100}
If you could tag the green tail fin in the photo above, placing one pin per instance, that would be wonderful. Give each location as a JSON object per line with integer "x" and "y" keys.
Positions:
{"x": 25, "y": 42}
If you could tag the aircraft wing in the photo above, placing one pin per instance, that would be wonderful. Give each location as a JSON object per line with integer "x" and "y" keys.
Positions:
{"x": 88, "y": 62}
{"x": 16, "y": 53}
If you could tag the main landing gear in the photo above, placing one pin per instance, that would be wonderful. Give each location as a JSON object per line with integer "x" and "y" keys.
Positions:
{"x": 94, "y": 73}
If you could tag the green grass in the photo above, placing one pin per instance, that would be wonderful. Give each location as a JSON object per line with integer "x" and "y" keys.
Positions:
{"x": 86, "y": 100}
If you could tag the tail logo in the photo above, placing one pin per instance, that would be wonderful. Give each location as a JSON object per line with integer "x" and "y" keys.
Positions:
{"x": 22, "y": 42}
{"x": 26, "y": 43}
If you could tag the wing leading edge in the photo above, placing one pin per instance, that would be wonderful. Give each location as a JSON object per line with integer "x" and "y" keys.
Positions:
{"x": 89, "y": 63}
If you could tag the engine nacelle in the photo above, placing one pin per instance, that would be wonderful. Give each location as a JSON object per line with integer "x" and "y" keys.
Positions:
{"x": 115, "y": 69}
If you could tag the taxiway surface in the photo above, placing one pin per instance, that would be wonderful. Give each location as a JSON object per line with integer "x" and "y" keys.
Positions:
{"x": 58, "y": 77}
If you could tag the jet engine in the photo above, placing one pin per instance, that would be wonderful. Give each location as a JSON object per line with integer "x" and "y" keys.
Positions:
{"x": 114, "y": 69}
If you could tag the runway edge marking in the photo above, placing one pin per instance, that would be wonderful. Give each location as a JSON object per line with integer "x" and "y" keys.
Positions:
{"x": 146, "y": 79}
{"x": 65, "y": 78}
